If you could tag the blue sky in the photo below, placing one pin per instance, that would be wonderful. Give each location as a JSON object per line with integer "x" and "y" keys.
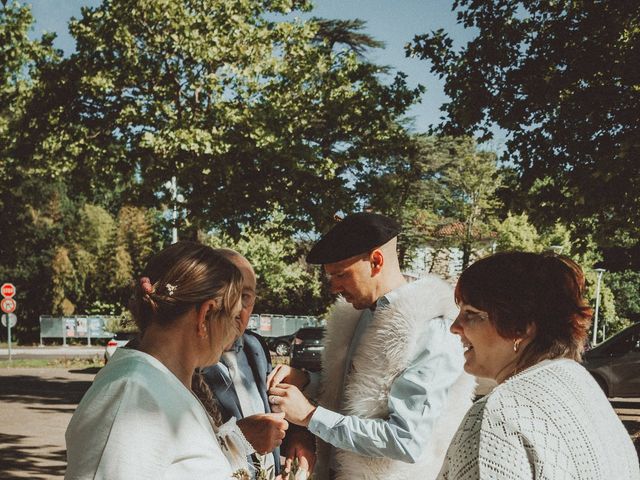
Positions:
{"x": 395, "y": 22}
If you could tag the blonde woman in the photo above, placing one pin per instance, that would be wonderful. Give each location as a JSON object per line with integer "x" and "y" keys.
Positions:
{"x": 141, "y": 419}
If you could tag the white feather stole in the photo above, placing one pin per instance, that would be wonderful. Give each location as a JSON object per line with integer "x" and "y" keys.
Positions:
{"x": 386, "y": 349}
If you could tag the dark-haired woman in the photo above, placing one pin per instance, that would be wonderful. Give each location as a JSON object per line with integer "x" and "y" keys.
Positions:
{"x": 140, "y": 419}
{"x": 523, "y": 321}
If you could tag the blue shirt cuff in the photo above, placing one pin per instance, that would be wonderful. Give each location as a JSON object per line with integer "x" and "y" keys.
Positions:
{"x": 322, "y": 421}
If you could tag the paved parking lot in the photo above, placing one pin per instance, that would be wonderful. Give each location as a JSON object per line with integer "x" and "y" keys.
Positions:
{"x": 36, "y": 405}
{"x": 35, "y": 408}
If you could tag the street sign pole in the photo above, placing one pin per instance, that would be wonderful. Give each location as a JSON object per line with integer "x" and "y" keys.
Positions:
{"x": 9, "y": 320}
{"x": 9, "y": 337}
{"x": 8, "y": 290}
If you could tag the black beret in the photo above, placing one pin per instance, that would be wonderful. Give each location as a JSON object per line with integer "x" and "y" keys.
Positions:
{"x": 356, "y": 234}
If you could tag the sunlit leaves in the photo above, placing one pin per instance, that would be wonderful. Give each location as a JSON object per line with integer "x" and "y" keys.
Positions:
{"x": 561, "y": 78}
{"x": 175, "y": 88}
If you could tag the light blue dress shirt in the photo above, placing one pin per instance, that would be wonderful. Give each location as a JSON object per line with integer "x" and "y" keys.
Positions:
{"x": 246, "y": 377}
{"x": 415, "y": 402}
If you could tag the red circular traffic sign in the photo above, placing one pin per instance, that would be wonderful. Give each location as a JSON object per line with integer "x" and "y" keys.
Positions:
{"x": 8, "y": 305}
{"x": 8, "y": 290}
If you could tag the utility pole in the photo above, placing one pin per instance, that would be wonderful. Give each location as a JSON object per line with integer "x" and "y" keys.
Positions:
{"x": 595, "y": 317}
{"x": 176, "y": 198}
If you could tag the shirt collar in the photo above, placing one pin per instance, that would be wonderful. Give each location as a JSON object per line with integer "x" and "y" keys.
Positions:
{"x": 381, "y": 302}
{"x": 237, "y": 345}
{"x": 384, "y": 301}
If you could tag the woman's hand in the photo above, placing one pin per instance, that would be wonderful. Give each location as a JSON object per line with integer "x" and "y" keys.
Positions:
{"x": 264, "y": 431}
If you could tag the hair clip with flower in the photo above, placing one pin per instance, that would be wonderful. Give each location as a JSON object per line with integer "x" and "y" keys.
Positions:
{"x": 145, "y": 284}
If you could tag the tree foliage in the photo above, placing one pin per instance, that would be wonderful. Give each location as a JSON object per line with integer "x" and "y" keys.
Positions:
{"x": 246, "y": 108}
{"x": 68, "y": 258}
{"x": 561, "y": 77}
{"x": 345, "y": 32}
{"x": 470, "y": 183}
{"x": 285, "y": 283}
{"x": 625, "y": 286}
{"x": 245, "y": 111}
{"x": 442, "y": 189}
{"x": 20, "y": 62}
{"x": 516, "y": 232}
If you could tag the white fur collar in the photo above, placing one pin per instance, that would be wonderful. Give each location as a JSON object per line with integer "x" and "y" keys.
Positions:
{"x": 387, "y": 348}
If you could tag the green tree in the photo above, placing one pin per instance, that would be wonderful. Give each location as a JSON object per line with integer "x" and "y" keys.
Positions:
{"x": 625, "y": 286}
{"x": 93, "y": 265}
{"x": 35, "y": 230}
{"x": 470, "y": 182}
{"x": 137, "y": 233}
{"x": 516, "y": 232}
{"x": 405, "y": 186}
{"x": 560, "y": 78}
{"x": 20, "y": 62}
{"x": 64, "y": 283}
{"x": 34, "y": 213}
{"x": 345, "y": 32}
{"x": 243, "y": 110}
{"x": 441, "y": 188}
{"x": 135, "y": 237}
{"x": 95, "y": 230}
{"x": 66, "y": 257}
{"x": 89, "y": 242}
{"x": 286, "y": 285}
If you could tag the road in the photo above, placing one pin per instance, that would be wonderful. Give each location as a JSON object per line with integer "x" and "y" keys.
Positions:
{"x": 51, "y": 353}
{"x": 36, "y": 406}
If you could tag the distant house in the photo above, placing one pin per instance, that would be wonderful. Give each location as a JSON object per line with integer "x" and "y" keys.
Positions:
{"x": 439, "y": 256}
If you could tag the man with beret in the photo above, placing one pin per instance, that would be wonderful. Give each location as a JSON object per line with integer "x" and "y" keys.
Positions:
{"x": 393, "y": 390}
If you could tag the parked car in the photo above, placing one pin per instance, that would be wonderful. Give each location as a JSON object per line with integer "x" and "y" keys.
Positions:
{"x": 615, "y": 363}
{"x": 120, "y": 339}
{"x": 280, "y": 345}
{"x": 307, "y": 348}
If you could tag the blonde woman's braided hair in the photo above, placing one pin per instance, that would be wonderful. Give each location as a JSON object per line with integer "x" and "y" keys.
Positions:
{"x": 201, "y": 389}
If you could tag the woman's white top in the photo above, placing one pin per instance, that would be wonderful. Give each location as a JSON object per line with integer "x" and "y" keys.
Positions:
{"x": 549, "y": 422}
{"x": 138, "y": 421}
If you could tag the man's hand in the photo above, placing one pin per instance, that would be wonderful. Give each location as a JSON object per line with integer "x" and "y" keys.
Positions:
{"x": 286, "y": 374}
{"x": 300, "y": 444}
{"x": 290, "y": 400}
{"x": 264, "y": 431}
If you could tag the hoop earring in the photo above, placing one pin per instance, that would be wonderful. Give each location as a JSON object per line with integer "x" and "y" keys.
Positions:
{"x": 516, "y": 344}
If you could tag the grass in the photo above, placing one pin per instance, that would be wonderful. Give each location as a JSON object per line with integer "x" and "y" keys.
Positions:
{"x": 276, "y": 360}
{"x": 76, "y": 363}
{"x": 81, "y": 363}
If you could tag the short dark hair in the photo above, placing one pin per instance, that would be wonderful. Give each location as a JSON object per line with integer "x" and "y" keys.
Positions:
{"x": 520, "y": 289}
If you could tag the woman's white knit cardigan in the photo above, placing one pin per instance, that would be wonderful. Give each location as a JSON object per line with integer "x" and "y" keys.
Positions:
{"x": 550, "y": 422}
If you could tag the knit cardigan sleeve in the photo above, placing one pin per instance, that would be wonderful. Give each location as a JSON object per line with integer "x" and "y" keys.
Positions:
{"x": 548, "y": 422}
{"x": 487, "y": 446}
